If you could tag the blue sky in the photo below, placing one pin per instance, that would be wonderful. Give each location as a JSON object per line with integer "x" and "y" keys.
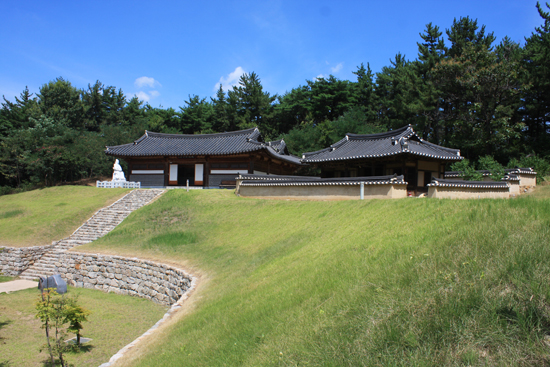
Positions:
{"x": 167, "y": 50}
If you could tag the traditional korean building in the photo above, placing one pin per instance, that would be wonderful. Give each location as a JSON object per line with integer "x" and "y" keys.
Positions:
{"x": 208, "y": 160}
{"x": 400, "y": 152}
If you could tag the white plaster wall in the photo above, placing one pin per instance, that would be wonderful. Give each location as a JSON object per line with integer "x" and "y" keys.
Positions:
{"x": 467, "y": 193}
{"x": 325, "y": 192}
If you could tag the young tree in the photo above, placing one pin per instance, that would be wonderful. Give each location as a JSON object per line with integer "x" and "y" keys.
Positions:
{"x": 55, "y": 311}
{"x": 75, "y": 315}
{"x": 50, "y": 310}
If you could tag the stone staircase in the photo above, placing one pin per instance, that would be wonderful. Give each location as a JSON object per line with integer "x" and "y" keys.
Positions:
{"x": 101, "y": 223}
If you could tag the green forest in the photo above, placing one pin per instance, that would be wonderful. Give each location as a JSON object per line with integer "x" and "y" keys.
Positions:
{"x": 463, "y": 90}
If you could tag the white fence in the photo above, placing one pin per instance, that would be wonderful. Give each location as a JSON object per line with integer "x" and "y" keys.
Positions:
{"x": 114, "y": 184}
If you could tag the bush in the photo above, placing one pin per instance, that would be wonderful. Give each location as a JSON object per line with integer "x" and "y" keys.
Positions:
{"x": 488, "y": 163}
{"x": 468, "y": 171}
{"x": 537, "y": 163}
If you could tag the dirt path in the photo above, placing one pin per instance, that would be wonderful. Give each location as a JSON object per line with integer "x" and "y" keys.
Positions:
{"x": 17, "y": 285}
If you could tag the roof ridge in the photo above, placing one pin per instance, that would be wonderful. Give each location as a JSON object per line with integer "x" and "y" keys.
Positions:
{"x": 384, "y": 135}
{"x": 201, "y": 136}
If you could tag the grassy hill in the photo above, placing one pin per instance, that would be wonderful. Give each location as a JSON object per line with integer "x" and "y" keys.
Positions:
{"x": 39, "y": 217}
{"x": 375, "y": 282}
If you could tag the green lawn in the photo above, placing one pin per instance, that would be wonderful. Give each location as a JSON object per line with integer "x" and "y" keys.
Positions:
{"x": 6, "y": 279}
{"x": 376, "y": 282}
{"x": 39, "y": 217}
{"x": 114, "y": 322}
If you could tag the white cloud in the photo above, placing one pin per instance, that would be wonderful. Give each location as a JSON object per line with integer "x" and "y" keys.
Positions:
{"x": 142, "y": 96}
{"x": 145, "y": 81}
{"x": 231, "y": 80}
{"x": 337, "y": 68}
{"x": 320, "y": 76}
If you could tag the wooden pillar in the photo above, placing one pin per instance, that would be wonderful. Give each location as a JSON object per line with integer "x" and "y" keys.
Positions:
{"x": 416, "y": 169}
{"x": 166, "y": 172}
{"x": 251, "y": 166}
{"x": 206, "y": 173}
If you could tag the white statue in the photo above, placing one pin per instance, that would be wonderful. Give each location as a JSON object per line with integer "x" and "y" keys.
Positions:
{"x": 118, "y": 174}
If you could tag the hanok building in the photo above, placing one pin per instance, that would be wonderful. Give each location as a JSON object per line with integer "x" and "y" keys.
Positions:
{"x": 400, "y": 152}
{"x": 208, "y": 160}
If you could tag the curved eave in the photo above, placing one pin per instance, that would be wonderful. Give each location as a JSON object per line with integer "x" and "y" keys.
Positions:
{"x": 287, "y": 158}
{"x": 256, "y": 147}
{"x": 368, "y": 156}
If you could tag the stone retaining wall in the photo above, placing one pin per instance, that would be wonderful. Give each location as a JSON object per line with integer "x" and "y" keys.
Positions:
{"x": 160, "y": 283}
{"x": 15, "y": 260}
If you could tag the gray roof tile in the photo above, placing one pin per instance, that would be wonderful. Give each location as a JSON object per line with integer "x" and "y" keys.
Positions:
{"x": 400, "y": 141}
{"x": 468, "y": 184}
{"x": 235, "y": 142}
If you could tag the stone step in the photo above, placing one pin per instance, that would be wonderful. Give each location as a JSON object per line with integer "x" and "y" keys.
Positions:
{"x": 101, "y": 223}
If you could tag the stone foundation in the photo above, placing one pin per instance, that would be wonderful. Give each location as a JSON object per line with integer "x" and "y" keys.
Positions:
{"x": 15, "y": 260}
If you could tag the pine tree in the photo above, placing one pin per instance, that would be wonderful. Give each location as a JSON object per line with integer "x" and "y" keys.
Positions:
{"x": 537, "y": 97}
{"x": 220, "y": 116}
{"x": 464, "y": 32}
{"x": 253, "y": 107}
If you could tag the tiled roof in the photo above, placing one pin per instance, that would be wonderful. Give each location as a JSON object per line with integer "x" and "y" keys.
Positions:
{"x": 487, "y": 173}
{"x": 400, "y": 141}
{"x": 235, "y": 142}
{"x": 451, "y": 174}
{"x": 519, "y": 170}
{"x": 511, "y": 177}
{"x": 248, "y": 176}
{"x": 468, "y": 184}
{"x": 256, "y": 180}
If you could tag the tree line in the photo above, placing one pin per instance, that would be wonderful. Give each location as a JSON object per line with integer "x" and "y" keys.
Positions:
{"x": 462, "y": 91}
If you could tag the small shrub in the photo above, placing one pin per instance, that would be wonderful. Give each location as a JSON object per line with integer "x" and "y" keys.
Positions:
{"x": 488, "y": 163}
{"x": 538, "y": 164}
{"x": 468, "y": 171}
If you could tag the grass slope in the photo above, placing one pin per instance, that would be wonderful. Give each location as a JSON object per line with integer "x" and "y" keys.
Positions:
{"x": 114, "y": 322}
{"x": 39, "y": 217}
{"x": 375, "y": 282}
